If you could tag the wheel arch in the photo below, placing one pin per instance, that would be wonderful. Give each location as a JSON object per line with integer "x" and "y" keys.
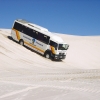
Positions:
{"x": 47, "y": 51}
{"x": 21, "y": 40}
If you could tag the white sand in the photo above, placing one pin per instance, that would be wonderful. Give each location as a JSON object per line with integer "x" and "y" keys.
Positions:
{"x": 26, "y": 75}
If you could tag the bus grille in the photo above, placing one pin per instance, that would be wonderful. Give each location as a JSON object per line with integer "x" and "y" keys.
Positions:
{"x": 61, "y": 53}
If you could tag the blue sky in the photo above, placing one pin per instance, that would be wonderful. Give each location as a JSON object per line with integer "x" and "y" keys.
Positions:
{"x": 76, "y": 17}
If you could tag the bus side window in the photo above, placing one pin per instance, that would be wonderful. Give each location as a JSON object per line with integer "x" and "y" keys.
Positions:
{"x": 15, "y": 25}
{"x": 18, "y": 27}
{"x": 30, "y": 32}
{"x": 53, "y": 44}
{"x": 34, "y": 34}
{"x": 46, "y": 39}
{"x": 24, "y": 30}
{"x": 40, "y": 37}
{"x": 43, "y": 38}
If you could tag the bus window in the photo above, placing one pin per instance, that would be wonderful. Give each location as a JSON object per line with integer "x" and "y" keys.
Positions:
{"x": 55, "y": 45}
{"x": 43, "y": 38}
{"x": 46, "y": 39}
{"x": 17, "y": 26}
{"x": 34, "y": 34}
{"x": 40, "y": 37}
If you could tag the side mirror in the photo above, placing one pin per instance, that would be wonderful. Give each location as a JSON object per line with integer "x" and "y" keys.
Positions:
{"x": 67, "y": 46}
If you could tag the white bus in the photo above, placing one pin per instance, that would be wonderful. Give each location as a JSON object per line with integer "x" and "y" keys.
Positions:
{"x": 39, "y": 39}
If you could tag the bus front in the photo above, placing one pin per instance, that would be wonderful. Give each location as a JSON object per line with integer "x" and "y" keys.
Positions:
{"x": 60, "y": 50}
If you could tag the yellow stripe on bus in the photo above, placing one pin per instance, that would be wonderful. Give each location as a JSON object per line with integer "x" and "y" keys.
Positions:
{"x": 17, "y": 34}
{"x": 34, "y": 47}
{"x": 52, "y": 49}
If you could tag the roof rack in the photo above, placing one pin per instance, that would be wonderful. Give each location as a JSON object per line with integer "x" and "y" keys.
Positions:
{"x": 22, "y": 21}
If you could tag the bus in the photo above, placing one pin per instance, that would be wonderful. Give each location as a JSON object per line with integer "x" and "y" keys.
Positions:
{"x": 39, "y": 39}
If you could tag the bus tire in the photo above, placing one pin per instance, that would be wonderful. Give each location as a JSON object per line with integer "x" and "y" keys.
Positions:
{"x": 47, "y": 55}
{"x": 21, "y": 42}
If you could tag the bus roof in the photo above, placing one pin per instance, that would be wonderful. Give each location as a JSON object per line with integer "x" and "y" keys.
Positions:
{"x": 43, "y": 30}
{"x": 37, "y": 27}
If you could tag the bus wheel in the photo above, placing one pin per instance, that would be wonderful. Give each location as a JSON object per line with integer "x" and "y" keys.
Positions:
{"x": 21, "y": 42}
{"x": 47, "y": 55}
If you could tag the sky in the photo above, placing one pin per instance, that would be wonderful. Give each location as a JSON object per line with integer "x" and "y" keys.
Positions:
{"x": 75, "y": 17}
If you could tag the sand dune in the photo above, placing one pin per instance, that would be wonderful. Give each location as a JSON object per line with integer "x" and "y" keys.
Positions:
{"x": 24, "y": 74}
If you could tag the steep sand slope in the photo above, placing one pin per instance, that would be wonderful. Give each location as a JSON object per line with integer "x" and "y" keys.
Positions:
{"x": 27, "y": 75}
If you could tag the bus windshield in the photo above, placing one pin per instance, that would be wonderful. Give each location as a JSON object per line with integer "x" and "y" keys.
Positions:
{"x": 63, "y": 46}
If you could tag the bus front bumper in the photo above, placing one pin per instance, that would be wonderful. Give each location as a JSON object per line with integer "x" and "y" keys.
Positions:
{"x": 58, "y": 56}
